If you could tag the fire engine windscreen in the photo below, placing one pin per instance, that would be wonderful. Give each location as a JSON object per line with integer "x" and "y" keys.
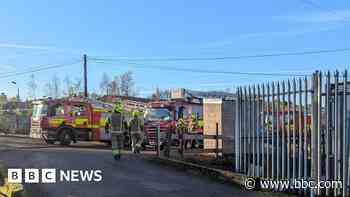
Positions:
{"x": 157, "y": 114}
{"x": 39, "y": 110}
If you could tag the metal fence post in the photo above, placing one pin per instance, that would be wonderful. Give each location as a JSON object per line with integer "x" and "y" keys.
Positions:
{"x": 158, "y": 141}
{"x": 278, "y": 132}
{"x": 273, "y": 161}
{"x": 300, "y": 133}
{"x": 244, "y": 130}
{"x": 294, "y": 174}
{"x": 237, "y": 127}
{"x": 268, "y": 172}
{"x": 263, "y": 131}
{"x": 336, "y": 132}
{"x": 288, "y": 131}
{"x": 306, "y": 129}
{"x": 253, "y": 130}
{"x": 315, "y": 130}
{"x": 283, "y": 124}
{"x": 249, "y": 130}
{"x": 319, "y": 127}
{"x": 217, "y": 141}
{"x": 345, "y": 155}
{"x": 258, "y": 131}
{"x": 328, "y": 128}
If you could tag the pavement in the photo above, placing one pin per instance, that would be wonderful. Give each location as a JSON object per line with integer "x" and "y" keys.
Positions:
{"x": 131, "y": 176}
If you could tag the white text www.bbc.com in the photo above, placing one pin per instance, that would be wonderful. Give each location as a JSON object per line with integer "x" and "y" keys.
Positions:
{"x": 280, "y": 185}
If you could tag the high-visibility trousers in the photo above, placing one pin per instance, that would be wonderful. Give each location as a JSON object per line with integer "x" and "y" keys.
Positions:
{"x": 136, "y": 141}
{"x": 117, "y": 139}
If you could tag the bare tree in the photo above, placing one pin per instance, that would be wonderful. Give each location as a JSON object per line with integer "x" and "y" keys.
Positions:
{"x": 77, "y": 86}
{"x": 32, "y": 87}
{"x": 126, "y": 84}
{"x": 105, "y": 83}
{"x": 56, "y": 86}
{"x": 69, "y": 91}
{"x": 165, "y": 94}
{"x": 135, "y": 92}
{"x": 115, "y": 89}
{"x": 48, "y": 89}
{"x": 156, "y": 95}
{"x": 161, "y": 94}
{"x": 72, "y": 88}
{"x": 93, "y": 94}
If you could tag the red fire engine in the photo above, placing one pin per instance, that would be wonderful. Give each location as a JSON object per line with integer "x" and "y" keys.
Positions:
{"x": 165, "y": 114}
{"x": 67, "y": 120}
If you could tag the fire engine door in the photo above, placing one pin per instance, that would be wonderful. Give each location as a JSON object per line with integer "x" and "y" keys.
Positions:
{"x": 104, "y": 131}
{"x": 56, "y": 115}
{"x": 80, "y": 116}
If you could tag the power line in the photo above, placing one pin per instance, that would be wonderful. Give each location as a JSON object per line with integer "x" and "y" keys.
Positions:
{"x": 226, "y": 57}
{"x": 30, "y": 68}
{"x": 317, "y": 6}
{"x": 210, "y": 71}
{"x": 38, "y": 47}
{"x": 36, "y": 69}
{"x": 313, "y": 4}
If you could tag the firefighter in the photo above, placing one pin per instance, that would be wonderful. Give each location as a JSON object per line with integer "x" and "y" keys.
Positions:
{"x": 193, "y": 122}
{"x": 181, "y": 130}
{"x": 136, "y": 131}
{"x": 116, "y": 121}
{"x": 9, "y": 189}
{"x": 181, "y": 126}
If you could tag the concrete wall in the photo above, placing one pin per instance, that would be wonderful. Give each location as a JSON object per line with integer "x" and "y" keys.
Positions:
{"x": 222, "y": 112}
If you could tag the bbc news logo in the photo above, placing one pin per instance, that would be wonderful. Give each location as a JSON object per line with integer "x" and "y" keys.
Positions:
{"x": 51, "y": 175}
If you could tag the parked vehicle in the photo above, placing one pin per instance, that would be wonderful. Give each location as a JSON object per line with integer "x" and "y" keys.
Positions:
{"x": 165, "y": 115}
{"x": 69, "y": 120}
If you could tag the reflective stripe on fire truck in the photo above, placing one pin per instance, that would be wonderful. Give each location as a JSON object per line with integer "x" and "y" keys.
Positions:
{"x": 100, "y": 110}
{"x": 56, "y": 121}
{"x": 81, "y": 121}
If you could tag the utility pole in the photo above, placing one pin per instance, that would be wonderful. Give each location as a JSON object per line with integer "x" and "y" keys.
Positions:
{"x": 18, "y": 98}
{"x": 85, "y": 76}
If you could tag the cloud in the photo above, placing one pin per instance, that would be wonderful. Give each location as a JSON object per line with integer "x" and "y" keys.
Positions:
{"x": 331, "y": 16}
{"x": 300, "y": 24}
{"x": 21, "y": 55}
{"x": 260, "y": 35}
{"x": 35, "y": 47}
{"x": 7, "y": 67}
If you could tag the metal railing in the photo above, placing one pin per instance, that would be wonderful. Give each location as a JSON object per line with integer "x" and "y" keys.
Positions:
{"x": 295, "y": 129}
{"x": 185, "y": 141}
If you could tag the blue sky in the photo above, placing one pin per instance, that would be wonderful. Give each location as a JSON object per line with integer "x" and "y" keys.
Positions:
{"x": 43, "y": 32}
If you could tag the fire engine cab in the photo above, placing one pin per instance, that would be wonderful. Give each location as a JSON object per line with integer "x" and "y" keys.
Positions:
{"x": 70, "y": 120}
{"x": 163, "y": 115}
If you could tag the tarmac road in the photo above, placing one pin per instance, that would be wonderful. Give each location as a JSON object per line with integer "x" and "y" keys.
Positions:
{"x": 131, "y": 176}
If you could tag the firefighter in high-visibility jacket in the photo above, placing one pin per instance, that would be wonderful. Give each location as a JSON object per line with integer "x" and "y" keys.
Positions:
{"x": 9, "y": 189}
{"x": 116, "y": 121}
{"x": 136, "y": 131}
{"x": 181, "y": 129}
{"x": 193, "y": 123}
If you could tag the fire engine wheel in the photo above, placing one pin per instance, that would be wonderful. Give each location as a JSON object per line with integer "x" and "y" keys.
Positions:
{"x": 65, "y": 137}
{"x": 195, "y": 144}
{"x": 188, "y": 144}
